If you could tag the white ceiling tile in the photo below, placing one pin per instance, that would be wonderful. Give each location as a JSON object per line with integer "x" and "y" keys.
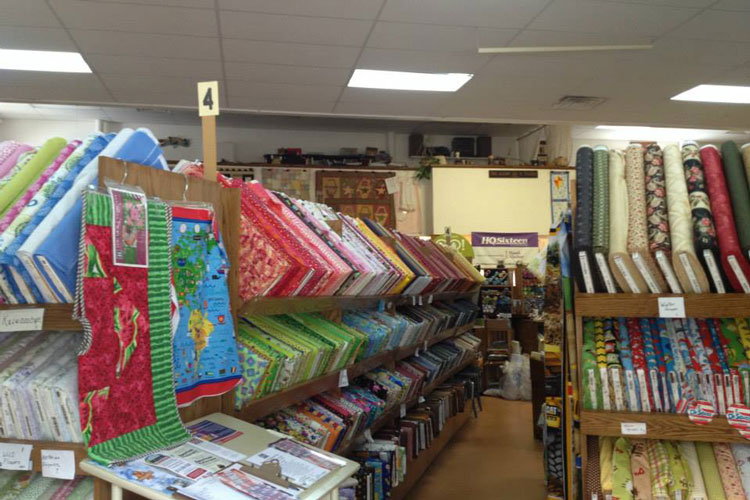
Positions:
{"x": 276, "y": 91}
{"x": 736, "y": 76}
{"x": 327, "y": 56}
{"x": 196, "y": 4}
{"x": 29, "y": 38}
{"x": 487, "y": 13}
{"x": 280, "y": 73}
{"x": 732, "y": 5}
{"x": 697, "y": 52}
{"x": 717, "y": 25}
{"x": 27, "y": 13}
{"x": 287, "y": 28}
{"x": 286, "y": 105}
{"x": 388, "y": 35}
{"x": 46, "y": 87}
{"x": 390, "y": 102}
{"x": 545, "y": 38}
{"x": 198, "y": 69}
{"x": 638, "y": 20}
{"x": 421, "y": 61}
{"x": 134, "y": 18}
{"x": 346, "y": 9}
{"x": 152, "y": 45}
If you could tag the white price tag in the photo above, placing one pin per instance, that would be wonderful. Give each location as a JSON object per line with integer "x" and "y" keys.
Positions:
{"x": 208, "y": 98}
{"x": 690, "y": 273}
{"x": 609, "y": 283}
{"x": 416, "y": 353}
{"x": 640, "y": 263}
{"x": 421, "y": 303}
{"x": 626, "y": 274}
{"x": 425, "y": 346}
{"x": 666, "y": 268}
{"x": 738, "y": 272}
{"x": 606, "y": 397}
{"x": 59, "y": 464}
{"x": 713, "y": 270}
{"x": 429, "y": 299}
{"x": 368, "y": 436}
{"x": 588, "y": 280}
{"x": 402, "y": 411}
{"x": 15, "y": 456}
{"x": 414, "y": 300}
{"x": 343, "y": 378}
{"x": 421, "y": 399}
{"x": 592, "y": 389}
{"x": 671, "y": 307}
{"x": 21, "y": 320}
{"x": 391, "y": 185}
{"x": 633, "y": 428}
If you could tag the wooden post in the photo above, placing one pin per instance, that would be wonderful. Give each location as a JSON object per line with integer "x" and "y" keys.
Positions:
{"x": 209, "y": 147}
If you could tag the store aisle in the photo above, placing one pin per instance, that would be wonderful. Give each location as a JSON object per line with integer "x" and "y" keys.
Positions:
{"x": 493, "y": 457}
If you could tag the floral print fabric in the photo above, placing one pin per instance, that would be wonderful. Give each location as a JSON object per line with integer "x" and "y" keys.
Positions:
{"x": 656, "y": 199}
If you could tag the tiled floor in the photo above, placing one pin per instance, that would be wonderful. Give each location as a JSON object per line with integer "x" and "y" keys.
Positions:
{"x": 494, "y": 457}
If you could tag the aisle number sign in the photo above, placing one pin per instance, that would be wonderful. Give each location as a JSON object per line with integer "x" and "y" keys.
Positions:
{"x": 208, "y": 98}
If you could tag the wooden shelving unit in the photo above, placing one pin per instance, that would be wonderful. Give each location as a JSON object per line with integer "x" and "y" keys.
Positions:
{"x": 669, "y": 426}
{"x": 56, "y": 316}
{"x": 307, "y": 389}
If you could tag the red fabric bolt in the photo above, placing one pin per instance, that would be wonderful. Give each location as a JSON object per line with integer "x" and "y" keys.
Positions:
{"x": 721, "y": 206}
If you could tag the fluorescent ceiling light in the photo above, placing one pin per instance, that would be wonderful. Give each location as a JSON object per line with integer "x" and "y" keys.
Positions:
{"x": 560, "y": 48}
{"x": 635, "y": 133}
{"x": 43, "y": 60}
{"x": 403, "y": 80}
{"x": 716, "y": 93}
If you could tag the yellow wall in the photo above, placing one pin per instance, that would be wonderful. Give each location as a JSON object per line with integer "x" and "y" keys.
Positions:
{"x": 467, "y": 200}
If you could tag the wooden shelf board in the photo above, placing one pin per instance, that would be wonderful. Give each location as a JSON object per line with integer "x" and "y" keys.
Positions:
{"x": 288, "y": 305}
{"x": 78, "y": 448}
{"x": 659, "y": 426}
{"x": 56, "y": 316}
{"x": 730, "y": 305}
{"x": 330, "y": 381}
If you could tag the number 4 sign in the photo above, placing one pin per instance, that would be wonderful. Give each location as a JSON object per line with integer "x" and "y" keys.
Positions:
{"x": 208, "y": 98}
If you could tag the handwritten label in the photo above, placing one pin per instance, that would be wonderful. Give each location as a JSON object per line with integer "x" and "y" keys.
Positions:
{"x": 391, "y": 185}
{"x": 666, "y": 268}
{"x": 15, "y": 456}
{"x": 402, "y": 411}
{"x": 738, "y": 272}
{"x": 21, "y": 320}
{"x": 343, "y": 378}
{"x": 633, "y": 428}
{"x": 59, "y": 464}
{"x": 713, "y": 270}
{"x": 692, "y": 278}
{"x": 640, "y": 263}
{"x": 588, "y": 280}
{"x": 609, "y": 282}
{"x": 671, "y": 307}
{"x": 626, "y": 274}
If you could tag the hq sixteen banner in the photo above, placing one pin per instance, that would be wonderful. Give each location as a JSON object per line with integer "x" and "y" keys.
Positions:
{"x": 493, "y": 248}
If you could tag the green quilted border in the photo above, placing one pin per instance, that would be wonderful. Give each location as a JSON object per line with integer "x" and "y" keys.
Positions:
{"x": 168, "y": 429}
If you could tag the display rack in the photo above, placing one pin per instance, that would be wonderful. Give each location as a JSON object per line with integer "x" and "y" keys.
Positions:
{"x": 667, "y": 426}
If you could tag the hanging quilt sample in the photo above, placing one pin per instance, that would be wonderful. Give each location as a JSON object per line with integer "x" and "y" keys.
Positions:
{"x": 358, "y": 194}
{"x": 125, "y": 385}
{"x": 205, "y": 351}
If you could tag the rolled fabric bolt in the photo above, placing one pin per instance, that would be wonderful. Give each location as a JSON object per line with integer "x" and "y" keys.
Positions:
{"x": 733, "y": 261}
{"x": 657, "y": 215}
{"x": 686, "y": 264}
{"x": 620, "y": 262}
{"x": 600, "y": 233}
{"x": 739, "y": 194}
{"x": 585, "y": 276}
{"x": 704, "y": 228}
{"x": 637, "y": 226}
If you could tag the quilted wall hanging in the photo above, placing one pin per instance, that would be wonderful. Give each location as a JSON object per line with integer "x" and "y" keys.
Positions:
{"x": 295, "y": 182}
{"x": 126, "y": 393}
{"x": 358, "y": 194}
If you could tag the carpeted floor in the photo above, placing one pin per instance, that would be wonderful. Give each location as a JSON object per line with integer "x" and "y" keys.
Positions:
{"x": 492, "y": 457}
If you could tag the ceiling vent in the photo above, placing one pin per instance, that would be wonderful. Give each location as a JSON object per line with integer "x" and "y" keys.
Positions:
{"x": 578, "y": 102}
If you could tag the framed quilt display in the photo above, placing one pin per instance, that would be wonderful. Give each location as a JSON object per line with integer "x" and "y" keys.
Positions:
{"x": 358, "y": 194}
